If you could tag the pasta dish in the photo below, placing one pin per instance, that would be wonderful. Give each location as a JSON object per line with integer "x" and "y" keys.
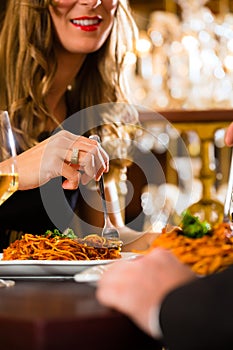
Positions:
{"x": 54, "y": 247}
{"x": 205, "y": 255}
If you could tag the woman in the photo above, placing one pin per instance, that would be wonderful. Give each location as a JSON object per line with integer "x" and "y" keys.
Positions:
{"x": 58, "y": 58}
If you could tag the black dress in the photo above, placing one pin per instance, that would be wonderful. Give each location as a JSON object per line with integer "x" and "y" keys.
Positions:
{"x": 35, "y": 211}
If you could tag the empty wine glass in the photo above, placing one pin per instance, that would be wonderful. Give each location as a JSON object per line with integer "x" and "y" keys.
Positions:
{"x": 8, "y": 166}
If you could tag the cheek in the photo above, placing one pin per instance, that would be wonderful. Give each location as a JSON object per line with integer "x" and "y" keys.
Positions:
{"x": 59, "y": 7}
{"x": 62, "y": 3}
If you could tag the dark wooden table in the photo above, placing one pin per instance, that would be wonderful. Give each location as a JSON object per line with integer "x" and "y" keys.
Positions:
{"x": 55, "y": 315}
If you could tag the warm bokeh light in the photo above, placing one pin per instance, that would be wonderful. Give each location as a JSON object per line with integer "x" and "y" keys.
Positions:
{"x": 185, "y": 62}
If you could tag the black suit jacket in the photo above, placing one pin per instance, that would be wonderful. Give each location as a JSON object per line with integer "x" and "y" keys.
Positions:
{"x": 199, "y": 315}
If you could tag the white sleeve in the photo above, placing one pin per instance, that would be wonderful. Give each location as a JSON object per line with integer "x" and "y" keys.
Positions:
{"x": 154, "y": 324}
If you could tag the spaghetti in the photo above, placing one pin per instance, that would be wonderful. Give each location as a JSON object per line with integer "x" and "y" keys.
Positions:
{"x": 205, "y": 255}
{"x": 34, "y": 247}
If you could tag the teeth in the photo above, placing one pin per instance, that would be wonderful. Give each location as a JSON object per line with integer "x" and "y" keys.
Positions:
{"x": 85, "y": 22}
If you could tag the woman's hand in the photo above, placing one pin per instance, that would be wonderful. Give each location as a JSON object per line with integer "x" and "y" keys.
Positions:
{"x": 52, "y": 158}
{"x": 133, "y": 240}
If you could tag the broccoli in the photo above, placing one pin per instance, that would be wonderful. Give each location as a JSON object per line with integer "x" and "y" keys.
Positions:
{"x": 192, "y": 227}
{"x": 68, "y": 233}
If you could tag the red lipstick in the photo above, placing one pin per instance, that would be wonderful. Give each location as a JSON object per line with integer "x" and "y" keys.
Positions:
{"x": 87, "y": 24}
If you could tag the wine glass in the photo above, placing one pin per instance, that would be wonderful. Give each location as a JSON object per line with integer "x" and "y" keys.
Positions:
{"x": 8, "y": 166}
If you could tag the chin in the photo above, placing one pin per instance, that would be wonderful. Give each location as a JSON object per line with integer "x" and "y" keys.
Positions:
{"x": 86, "y": 47}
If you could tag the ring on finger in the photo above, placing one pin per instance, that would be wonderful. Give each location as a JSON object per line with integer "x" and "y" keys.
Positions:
{"x": 74, "y": 155}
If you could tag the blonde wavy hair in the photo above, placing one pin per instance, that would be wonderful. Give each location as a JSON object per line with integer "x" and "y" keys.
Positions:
{"x": 26, "y": 72}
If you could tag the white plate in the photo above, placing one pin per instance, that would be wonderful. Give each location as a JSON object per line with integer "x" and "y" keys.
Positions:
{"x": 43, "y": 268}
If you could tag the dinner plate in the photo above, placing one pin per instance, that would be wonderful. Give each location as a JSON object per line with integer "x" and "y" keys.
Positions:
{"x": 45, "y": 268}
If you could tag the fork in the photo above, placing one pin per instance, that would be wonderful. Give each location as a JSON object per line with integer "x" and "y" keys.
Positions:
{"x": 227, "y": 216}
{"x": 109, "y": 230}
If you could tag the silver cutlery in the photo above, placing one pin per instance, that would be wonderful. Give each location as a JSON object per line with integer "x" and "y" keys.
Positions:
{"x": 6, "y": 283}
{"x": 109, "y": 230}
{"x": 90, "y": 275}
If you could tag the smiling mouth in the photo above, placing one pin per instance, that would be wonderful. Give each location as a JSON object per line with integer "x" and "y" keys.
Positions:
{"x": 85, "y": 22}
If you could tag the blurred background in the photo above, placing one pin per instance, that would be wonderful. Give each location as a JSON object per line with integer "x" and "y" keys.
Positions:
{"x": 183, "y": 70}
{"x": 184, "y": 57}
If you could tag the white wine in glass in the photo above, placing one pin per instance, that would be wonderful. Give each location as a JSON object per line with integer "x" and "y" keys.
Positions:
{"x": 8, "y": 167}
